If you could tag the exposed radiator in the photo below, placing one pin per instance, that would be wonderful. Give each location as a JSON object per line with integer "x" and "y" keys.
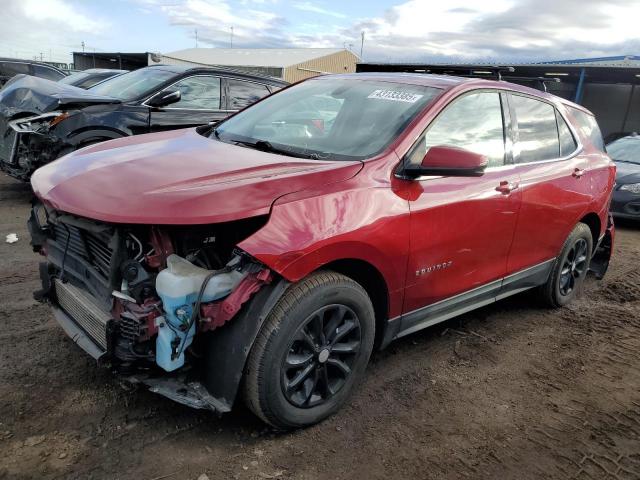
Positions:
{"x": 90, "y": 246}
{"x": 84, "y": 310}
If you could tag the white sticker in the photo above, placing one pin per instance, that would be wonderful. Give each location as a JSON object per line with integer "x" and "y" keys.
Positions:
{"x": 395, "y": 96}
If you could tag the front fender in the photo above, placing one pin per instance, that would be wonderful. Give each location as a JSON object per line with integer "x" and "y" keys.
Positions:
{"x": 368, "y": 224}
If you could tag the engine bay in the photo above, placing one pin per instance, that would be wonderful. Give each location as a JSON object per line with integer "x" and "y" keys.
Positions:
{"x": 161, "y": 286}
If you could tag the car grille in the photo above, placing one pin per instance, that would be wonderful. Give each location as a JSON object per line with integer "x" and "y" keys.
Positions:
{"x": 84, "y": 310}
{"x": 8, "y": 141}
{"x": 86, "y": 244}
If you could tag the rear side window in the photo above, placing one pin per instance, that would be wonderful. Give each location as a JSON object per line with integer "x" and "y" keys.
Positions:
{"x": 243, "y": 94}
{"x": 473, "y": 122}
{"x": 589, "y": 127}
{"x": 48, "y": 73}
{"x": 568, "y": 144}
{"x": 537, "y": 130}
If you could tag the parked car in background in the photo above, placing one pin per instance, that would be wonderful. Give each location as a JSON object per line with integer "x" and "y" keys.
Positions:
{"x": 625, "y": 152}
{"x": 10, "y": 67}
{"x": 272, "y": 252}
{"x": 42, "y": 120}
{"x": 88, "y": 78}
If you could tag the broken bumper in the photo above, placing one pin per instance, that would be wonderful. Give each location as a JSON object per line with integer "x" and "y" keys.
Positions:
{"x": 87, "y": 329}
{"x": 23, "y": 151}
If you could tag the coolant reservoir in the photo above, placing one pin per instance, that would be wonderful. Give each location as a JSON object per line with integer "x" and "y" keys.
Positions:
{"x": 178, "y": 286}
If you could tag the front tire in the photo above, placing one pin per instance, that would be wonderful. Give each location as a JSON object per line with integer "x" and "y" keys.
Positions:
{"x": 311, "y": 352}
{"x": 569, "y": 269}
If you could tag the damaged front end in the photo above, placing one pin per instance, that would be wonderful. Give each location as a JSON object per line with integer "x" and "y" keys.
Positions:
{"x": 154, "y": 303}
{"x": 28, "y": 142}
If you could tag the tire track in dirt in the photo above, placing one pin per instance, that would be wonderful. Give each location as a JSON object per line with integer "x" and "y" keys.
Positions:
{"x": 607, "y": 437}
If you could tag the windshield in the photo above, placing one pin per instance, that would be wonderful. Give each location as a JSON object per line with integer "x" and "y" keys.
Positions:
{"x": 327, "y": 118}
{"x": 133, "y": 84}
{"x": 625, "y": 149}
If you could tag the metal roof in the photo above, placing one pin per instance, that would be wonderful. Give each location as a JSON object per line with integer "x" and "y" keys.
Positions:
{"x": 251, "y": 57}
{"x": 617, "y": 61}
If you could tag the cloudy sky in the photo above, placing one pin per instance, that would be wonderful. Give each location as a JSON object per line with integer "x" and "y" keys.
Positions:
{"x": 411, "y": 30}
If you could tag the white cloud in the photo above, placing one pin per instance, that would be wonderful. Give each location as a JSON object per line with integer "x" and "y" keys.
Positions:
{"x": 495, "y": 30}
{"x": 310, "y": 7}
{"x": 52, "y": 29}
{"x": 214, "y": 19}
{"x": 59, "y": 12}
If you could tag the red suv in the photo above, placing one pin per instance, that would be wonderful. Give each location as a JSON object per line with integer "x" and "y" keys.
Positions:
{"x": 272, "y": 253}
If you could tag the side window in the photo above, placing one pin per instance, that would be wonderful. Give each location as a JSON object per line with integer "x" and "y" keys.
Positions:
{"x": 10, "y": 69}
{"x": 537, "y": 130}
{"x": 242, "y": 94}
{"x": 473, "y": 122}
{"x": 568, "y": 144}
{"x": 198, "y": 93}
{"x": 48, "y": 73}
{"x": 589, "y": 127}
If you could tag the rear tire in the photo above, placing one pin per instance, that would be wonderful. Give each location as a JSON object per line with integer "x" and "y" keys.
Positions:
{"x": 311, "y": 352}
{"x": 570, "y": 268}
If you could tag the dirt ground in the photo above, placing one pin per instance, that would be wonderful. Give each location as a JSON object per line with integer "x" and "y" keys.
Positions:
{"x": 510, "y": 391}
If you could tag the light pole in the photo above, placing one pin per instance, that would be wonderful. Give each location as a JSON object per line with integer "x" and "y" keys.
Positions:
{"x": 231, "y": 37}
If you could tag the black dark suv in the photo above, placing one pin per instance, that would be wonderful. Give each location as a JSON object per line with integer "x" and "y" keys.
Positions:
{"x": 42, "y": 120}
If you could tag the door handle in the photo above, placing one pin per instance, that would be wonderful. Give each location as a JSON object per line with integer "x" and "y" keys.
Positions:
{"x": 507, "y": 187}
{"x": 577, "y": 172}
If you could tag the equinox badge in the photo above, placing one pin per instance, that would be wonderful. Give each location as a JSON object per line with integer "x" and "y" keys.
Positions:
{"x": 433, "y": 268}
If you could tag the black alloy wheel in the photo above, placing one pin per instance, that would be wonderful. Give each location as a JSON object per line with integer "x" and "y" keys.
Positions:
{"x": 569, "y": 269}
{"x": 320, "y": 358}
{"x": 311, "y": 352}
{"x": 574, "y": 267}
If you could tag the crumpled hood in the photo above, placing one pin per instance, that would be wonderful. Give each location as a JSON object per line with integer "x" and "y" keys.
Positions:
{"x": 24, "y": 93}
{"x": 177, "y": 177}
{"x": 627, "y": 173}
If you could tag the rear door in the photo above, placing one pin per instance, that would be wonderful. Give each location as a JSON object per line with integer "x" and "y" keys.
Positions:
{"x": 461, "y": 227}
{"x": 201, "y": 101}
{"x": 553, "y": 181}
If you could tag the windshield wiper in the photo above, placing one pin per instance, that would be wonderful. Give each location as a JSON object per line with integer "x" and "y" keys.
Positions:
{"x": 265, "y": 146}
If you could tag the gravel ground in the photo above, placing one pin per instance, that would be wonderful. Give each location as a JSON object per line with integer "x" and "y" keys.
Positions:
{"x": 508, "y": 391}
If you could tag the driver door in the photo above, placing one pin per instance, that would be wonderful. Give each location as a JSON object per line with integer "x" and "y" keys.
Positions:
{"x": 461, "y": 227}
{"x": 200, "y": 103}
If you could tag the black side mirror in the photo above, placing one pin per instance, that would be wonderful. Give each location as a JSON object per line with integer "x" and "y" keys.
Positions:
{"x": 164, "y": 98}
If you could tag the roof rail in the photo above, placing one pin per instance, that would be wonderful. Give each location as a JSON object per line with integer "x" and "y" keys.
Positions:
{"x": 480, "y": 71}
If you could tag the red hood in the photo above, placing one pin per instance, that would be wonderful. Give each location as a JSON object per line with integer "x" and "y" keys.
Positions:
{"x": 177, "y": 177}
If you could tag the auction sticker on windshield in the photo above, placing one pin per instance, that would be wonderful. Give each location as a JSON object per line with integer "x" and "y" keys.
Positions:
{"x": 395, "y": 96}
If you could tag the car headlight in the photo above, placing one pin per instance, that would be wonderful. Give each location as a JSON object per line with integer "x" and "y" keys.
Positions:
{"x": 631, "y": 187}
{"x": 38, "y": 122}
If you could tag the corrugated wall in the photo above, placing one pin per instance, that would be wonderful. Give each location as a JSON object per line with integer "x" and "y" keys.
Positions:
{"x": 341, "y": 62}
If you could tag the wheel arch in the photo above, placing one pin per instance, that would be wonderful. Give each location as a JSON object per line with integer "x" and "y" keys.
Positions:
{"x": 373, "y": 282}
{"x": 592, "y": 220}
{"x": 87, "y": 135}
